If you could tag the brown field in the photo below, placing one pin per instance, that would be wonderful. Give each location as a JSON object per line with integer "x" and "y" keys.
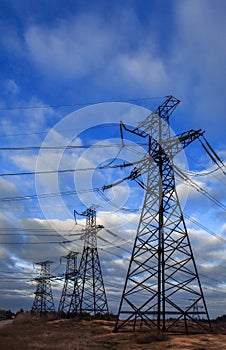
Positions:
{"x": 25, "y": 333}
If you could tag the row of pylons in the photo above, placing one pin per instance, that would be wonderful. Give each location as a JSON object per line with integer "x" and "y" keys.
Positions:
{"x": 162, "y": 275}
{"x": 83, "y": 291}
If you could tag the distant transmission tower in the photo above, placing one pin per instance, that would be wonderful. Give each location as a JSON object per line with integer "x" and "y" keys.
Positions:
{"x": 162, "y": 273}
{"x": 93, "y": 300}
{"x": 43, "y": 301}
{"x": 69, "y": 301}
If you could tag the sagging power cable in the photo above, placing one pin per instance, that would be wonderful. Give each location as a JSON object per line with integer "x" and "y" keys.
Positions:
{"x": 212, "y": 154}
{"x": 198, "y": 188}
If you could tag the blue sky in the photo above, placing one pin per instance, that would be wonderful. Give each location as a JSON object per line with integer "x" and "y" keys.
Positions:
{"x": 75, "y": 53}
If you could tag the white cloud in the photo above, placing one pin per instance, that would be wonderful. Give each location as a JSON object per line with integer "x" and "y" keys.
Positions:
{"x": 29, "y": 122}
{"x": 197, "y": 59}
{"x": 142, "y": 70}
{"x": 88, "y": 45}
{"x": 11, "y": 87}
{"x": 7, "y": 188}
{"x": 73, "y": 48}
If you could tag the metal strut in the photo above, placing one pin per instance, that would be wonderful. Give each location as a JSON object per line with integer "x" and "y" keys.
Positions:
{"x": 162, "y": 274}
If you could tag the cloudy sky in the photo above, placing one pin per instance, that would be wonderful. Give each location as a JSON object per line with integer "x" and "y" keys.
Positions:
{"x": 70, "y": 71}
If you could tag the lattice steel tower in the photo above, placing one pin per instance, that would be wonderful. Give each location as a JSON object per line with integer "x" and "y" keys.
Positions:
{"x": 93, "y": 300}
{"x": 162, "y": 275}
{"x": 43, "y": 301}
{"x": 69, "y": 301}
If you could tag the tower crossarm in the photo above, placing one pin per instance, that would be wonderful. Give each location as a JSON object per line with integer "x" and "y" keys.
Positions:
{"x": 167, "y": 149}
{"x": 175, "y": 144}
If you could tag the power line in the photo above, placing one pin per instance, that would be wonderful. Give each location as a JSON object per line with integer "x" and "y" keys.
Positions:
{"x": 214, "y": 290}
{"x": 46, "y": 195}
{"x": 195, "y": 174}
{"x": 71, "y": 170}
{"x": 66, "y": 193}
{"x": 9, "y": 279}
{"x": 180, "y": 173}
{"x": 222, "y": 239}
{"x": 212, "y": 154}
{"x": 43, "y": 242}
{"x": 202, "y": 173}
{"x": 33, "y": 234}
{"x": 116, "y": 255}
{"x": 47, "y": 131}
{"x": 77, "y": 104}
{"x": 17, "y": 272}
{"x": 114, "y": 245}
{"x": 212, "y": 279}
{"x": 29, "y": 229}
{"x": 22, "y": 243}
{"x": 198, "y": 188}
{"x": 69, "y": 147}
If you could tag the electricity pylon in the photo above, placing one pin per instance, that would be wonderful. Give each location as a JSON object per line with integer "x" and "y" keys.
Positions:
{"x": 43, "y": 301}
{"x": 93, "y": 300}
{"x": 162, "y": 273}
{"x": 69, "y": 300}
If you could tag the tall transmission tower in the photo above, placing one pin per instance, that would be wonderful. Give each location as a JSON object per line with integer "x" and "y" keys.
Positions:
{"x": 43, "y": 301}
{"x": 162, "y": 274}
{"x": 93, "y": 300}
{"x": 69, "y": 301}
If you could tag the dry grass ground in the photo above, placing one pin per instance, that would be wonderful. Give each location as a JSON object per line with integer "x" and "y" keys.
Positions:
{"x": 26, "y": 333}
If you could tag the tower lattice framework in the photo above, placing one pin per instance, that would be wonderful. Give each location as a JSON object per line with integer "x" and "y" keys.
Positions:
{"x": 93, "y": 300}
{"x": 43, "y": 301}
{"x": 162, "y": 287}
{"x": 69, "y": 301}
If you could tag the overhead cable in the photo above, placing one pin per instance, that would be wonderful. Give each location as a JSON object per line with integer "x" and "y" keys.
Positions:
{"x": 212, "y": 154}
{"x": 60, "y": 171}
{"x": 78, "y": 104}
{"x": 198, "y": 188}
